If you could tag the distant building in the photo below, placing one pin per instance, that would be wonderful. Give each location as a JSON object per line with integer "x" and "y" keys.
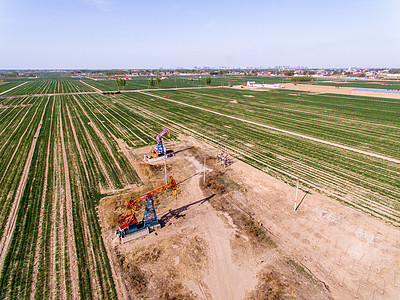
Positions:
{"x": 264, "y": 85}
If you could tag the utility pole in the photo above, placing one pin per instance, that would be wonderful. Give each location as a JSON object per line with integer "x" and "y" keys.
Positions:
{"x": 204, "y": 172}
{"x": 165, "y": 167}
{"x": 295, "y": 199}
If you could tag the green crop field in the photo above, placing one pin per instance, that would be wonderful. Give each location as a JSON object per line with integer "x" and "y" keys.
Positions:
{"x": 61, "y": 153}
{"x": 49, "y": 86}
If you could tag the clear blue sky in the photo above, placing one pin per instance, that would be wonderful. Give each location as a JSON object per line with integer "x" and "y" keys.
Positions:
{"x": 171, "y": 33}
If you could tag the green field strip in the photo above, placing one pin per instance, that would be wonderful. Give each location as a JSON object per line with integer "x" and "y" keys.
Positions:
{"x": 50, "y": 86}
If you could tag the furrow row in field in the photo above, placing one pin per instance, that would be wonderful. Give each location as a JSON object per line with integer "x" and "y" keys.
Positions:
{"x": 99, "y": 161}
{"x": 109, "y": 153}
{"x": 71, "y": 260}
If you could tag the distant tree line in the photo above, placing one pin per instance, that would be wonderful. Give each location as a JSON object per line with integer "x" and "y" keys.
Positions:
{"x": 115, "y": 72}
{"x": 297, "y": 79}
{"x": 9, "y": 74}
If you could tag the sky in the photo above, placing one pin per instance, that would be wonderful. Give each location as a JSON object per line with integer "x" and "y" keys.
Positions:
{"x": 129, "y": 34}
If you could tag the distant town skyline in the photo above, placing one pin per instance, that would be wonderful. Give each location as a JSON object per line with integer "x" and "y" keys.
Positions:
{"x": 108, "y": 34}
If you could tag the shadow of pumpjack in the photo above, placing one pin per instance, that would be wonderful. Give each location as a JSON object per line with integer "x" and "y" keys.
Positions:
{"x": 177, "y": 213}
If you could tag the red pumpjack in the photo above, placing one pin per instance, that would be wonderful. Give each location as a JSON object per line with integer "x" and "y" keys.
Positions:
{"x": 129, "y": 223}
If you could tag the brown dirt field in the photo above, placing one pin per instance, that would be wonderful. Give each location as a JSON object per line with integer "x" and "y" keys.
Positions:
{"x": 210, "y": 246}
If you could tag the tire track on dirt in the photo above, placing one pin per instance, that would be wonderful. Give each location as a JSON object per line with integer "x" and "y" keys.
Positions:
{"x": 282, "y": 130}
{"x": 12, "y": 218}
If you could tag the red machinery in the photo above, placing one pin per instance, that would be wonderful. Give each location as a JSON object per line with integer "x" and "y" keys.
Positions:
{"x": 129, "y": 223}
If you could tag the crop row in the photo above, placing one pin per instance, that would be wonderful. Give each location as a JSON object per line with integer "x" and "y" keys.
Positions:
{"x": 15, "y": 278}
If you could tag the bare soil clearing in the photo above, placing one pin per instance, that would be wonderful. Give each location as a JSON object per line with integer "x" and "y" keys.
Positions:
{"x": 209, "y": 247}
